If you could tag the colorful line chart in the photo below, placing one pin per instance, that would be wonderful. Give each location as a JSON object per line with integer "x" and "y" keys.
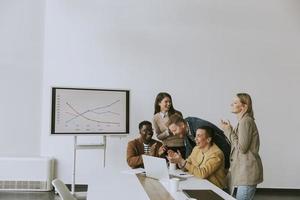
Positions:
{"x": 90, "y": 111}
{"x": 77, "y": 114}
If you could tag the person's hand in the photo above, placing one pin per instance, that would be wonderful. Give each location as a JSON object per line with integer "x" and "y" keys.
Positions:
{"x": 170, "y": 153}
{"x": 152, "y": 149}
{"x": 170, "y": 132}
{"x": 172, "y": 129}
{"x": 162, "y": 150}
{"x": 225, "y": 124}
{"x": 175, "y": 157}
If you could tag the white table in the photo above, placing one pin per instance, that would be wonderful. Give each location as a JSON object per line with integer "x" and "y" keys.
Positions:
{"x": 112, "y": 184}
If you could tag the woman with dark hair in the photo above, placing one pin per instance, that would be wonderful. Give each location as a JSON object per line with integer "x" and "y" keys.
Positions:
{"x": 163, "y": 109}
{"x": 246, "y": 170}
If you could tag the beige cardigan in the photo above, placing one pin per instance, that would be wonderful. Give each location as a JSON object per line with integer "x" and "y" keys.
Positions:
{"x": 245, "y": 163}
{"x": 162, "y": 133}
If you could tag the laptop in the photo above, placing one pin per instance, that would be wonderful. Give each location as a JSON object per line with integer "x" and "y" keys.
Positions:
{"x": 157, "y": 168}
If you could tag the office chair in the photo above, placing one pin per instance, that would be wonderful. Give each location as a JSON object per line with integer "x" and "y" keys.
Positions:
{"x": 62, "y": 190}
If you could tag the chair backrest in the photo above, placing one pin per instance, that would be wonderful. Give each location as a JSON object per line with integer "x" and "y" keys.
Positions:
{"x": 62, "y": 190}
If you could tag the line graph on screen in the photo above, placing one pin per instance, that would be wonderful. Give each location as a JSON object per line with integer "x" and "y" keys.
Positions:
{"x": 89, "y": 111}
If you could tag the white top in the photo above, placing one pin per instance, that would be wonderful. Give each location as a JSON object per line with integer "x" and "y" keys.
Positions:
{"x": 163, "y": 115}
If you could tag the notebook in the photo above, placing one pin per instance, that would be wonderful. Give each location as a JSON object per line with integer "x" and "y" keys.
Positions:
{"x": 202, "y": 194}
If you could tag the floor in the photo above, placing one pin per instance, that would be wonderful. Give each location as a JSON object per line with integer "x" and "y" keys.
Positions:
{"x": 277, "y": 195}
{"x": 260, "y": 195}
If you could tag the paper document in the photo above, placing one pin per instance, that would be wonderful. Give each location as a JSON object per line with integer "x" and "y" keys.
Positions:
{"x": 180, "y": 173}
{"x": 133, "y": 171}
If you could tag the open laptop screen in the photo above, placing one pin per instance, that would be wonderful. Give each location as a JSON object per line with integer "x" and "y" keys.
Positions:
{"x": 156, "y": 167}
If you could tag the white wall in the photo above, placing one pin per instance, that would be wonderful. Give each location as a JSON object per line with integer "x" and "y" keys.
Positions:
{"x": 202, "y": 52}
{"x": 21, "y": 42}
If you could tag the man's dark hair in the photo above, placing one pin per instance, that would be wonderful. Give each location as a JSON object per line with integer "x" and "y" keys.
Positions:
{"x": 175, "y": 119}
{"x": 209, "y": 132}
{"x": 144, "y": 123}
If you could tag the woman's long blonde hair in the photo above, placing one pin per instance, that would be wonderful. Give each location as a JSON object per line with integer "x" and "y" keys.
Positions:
{"x": 246, "y": 99}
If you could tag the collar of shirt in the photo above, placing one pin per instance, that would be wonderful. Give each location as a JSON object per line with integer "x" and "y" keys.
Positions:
{"x": 163, "y": 115}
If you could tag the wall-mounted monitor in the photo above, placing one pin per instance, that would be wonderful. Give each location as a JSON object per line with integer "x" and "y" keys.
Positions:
{"x": 84, "y": 111}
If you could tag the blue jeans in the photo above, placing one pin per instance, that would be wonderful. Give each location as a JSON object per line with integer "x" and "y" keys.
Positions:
{"x": 245, "y": 192}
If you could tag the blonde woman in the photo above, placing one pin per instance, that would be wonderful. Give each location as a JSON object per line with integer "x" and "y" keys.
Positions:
{"x": 246, "y": 170}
